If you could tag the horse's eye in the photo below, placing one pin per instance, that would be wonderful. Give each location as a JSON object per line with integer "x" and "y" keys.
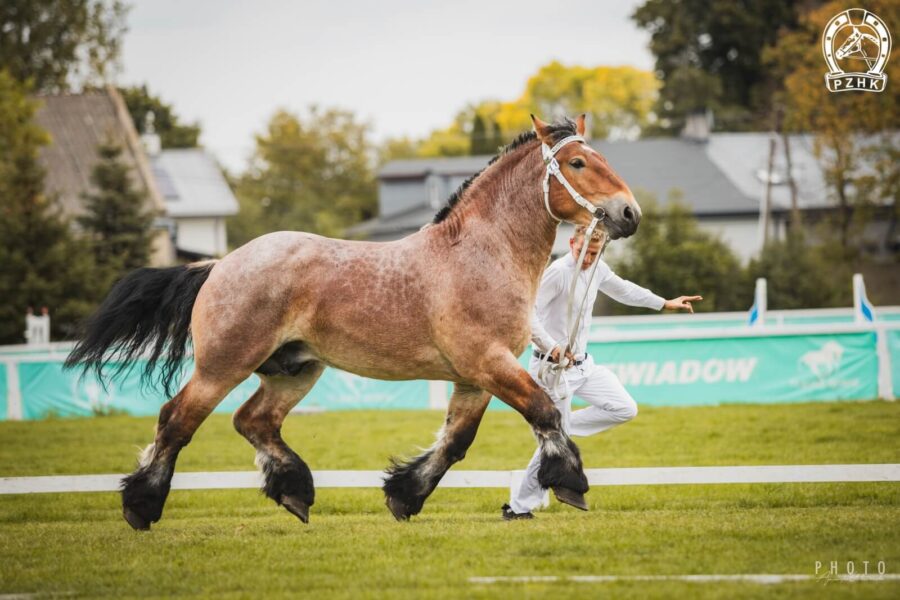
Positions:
{"x": 577, "y": 163}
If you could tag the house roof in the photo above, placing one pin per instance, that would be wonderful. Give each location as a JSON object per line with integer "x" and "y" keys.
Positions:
{"x": 657, "y": 166}
{"x": 78, "y": 124}
{"x": 420, "y": 167}
{"x": 662, "y": 165}
{"x": 744, "y": 158}
{"x": 192, "y": 184}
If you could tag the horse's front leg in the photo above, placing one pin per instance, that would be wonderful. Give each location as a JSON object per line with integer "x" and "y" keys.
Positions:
{"x": 409, "y": 484}
{"x": 561, "y": 468}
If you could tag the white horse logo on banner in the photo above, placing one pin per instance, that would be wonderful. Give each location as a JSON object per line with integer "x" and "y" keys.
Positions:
{"x": 824, "y": 361}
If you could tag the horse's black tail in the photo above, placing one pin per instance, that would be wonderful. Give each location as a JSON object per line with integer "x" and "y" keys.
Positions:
{"x": 144, "y": 312}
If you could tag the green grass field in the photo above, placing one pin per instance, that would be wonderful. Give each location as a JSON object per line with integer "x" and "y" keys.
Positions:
{"x": 239, "y": 544}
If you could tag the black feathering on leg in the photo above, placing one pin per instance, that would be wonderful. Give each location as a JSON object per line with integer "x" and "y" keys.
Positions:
{"x": 142, "y": 498}
{"x": 288, "y": 479}
{"x": 562, "y": 469}
{"x": 404, "y": 485}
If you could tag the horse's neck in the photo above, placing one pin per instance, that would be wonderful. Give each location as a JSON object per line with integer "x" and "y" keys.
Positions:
{"x": 505, "y": 209}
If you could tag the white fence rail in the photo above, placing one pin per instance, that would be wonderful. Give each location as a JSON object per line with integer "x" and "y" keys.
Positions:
{"x": 482, "y": 479}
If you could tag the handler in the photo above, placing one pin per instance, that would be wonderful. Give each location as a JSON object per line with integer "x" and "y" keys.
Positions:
{"x": 609, "y": 403}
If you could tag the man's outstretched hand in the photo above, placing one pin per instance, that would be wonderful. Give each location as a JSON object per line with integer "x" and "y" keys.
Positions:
{"x": 682, "y": 303}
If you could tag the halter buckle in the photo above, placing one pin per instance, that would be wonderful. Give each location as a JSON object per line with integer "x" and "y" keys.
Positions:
{"x": 553, "y": 166}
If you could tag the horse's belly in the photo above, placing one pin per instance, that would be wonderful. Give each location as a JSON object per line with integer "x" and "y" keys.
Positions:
{"x": 396, "y": 363}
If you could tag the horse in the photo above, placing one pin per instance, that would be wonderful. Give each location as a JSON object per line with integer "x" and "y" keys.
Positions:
{"x": 449, "y": 302}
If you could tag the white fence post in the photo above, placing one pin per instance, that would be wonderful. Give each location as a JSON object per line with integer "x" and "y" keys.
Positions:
{"x": 437, "y": 394}
{"x": 13, "y": 392}
{"x": 760, "y": 303}
{"x": 885, "y": 376}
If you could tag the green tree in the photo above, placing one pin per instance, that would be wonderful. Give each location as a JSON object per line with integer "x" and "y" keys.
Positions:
{"x": 855, "y": 136}
{"x": 172, "y": 133}
{"x": 618, "y": 100}
{"x": 41, "y": 263}
{"x": 709, "y": 55}
{"x": 115, "y": 221}
{"x": 309, "y": 173}
{"x": 397, "y": 148}
{"x": 801, "y": 275}
{"x": 673, "y": 256}
{"x": 53, "y": 43}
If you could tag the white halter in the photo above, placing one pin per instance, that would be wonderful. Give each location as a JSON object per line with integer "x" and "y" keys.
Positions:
{"x": 599, "y": 214}
{"x": 549, "y": 155}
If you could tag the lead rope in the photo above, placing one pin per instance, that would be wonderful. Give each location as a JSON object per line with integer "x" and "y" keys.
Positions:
{"x": 558, "y": 369}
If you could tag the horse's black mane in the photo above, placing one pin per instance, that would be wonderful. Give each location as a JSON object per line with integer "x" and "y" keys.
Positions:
{"x": 558, "y": 131}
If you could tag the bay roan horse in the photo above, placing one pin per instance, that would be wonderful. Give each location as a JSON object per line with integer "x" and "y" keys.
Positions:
{"x": 449, "y": 302}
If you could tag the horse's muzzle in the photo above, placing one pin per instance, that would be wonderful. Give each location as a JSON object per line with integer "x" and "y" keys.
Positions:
{"x": 622, "y": 216}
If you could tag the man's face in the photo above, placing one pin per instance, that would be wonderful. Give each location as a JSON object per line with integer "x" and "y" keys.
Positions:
{"x": 593, "y": 250}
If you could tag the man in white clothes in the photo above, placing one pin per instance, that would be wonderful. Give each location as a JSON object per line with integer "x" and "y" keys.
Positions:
{"x": 609, "y": 403}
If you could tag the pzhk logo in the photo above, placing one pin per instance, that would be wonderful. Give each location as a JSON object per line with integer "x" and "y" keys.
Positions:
{"x": 857, "y": 45}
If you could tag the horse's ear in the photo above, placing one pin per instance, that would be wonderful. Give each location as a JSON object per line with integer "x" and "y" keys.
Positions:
{"x": 579, "y": 124}
{"x": 541, "y": 129}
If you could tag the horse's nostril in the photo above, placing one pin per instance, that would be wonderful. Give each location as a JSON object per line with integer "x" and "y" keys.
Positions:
{"x": 629, "y": 214}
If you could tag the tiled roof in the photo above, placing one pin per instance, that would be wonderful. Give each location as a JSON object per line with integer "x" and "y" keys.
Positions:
{"x": 77, "y": 125}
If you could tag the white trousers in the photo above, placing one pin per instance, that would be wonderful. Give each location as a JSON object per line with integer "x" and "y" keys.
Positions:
{"x": 610, "y": 405}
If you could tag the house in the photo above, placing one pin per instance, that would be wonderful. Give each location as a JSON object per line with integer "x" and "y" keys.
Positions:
{"x": 197, "y": 199}
{"x": 77, "y": 125}
{"x": 721, "y": 177}
{"x": 184, "y": 188}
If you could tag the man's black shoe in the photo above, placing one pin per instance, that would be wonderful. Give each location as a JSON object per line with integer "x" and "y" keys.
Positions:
{"x": 509, "y": 515}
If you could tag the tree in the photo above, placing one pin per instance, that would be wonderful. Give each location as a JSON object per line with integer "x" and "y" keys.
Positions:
{"x": 309, "y": 173}
{"x": 673, "y": 256}
{"x": 801, "y": 275}
{"x": 855, "y": 133}
{"x": 115, "y": 223}
{"x": 53, "y": 43}
{"x": 398, "y": 148}
{"x": 41, "y": 263}
{"x": 618, "y": 100}
{"x": 709, "y": 55}
{"x": 172, "y": 133}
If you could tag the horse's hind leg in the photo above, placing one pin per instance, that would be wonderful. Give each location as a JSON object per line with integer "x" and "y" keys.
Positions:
{"x": 144, "y": 492}
{"x": 288, "y": 480}
{"x": 409, "y": 484}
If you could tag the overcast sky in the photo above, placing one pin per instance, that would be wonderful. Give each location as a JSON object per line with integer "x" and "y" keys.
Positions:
{"x": 405, "y": 66}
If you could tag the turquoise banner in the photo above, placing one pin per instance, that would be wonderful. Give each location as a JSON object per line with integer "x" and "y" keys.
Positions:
{"x": 893, "y": 342}
{"x": 745, "y": 369}
{"x": 773, "y": 369}
{"x": 49, "y": 390}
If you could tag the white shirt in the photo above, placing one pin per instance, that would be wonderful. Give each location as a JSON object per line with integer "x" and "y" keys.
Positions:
{"x": 548, "y": 321}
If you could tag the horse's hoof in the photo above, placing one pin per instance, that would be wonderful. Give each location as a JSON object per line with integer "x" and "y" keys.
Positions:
{"x": 572, "y": 498}
{"x": 136, "y": 521}
{"x": 296, "y": 507}
{"x": 397, "y": 508}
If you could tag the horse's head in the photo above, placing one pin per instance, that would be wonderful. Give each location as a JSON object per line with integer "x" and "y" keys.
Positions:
{"x": 850, "y": 45}
{"x": 590, "y": 175}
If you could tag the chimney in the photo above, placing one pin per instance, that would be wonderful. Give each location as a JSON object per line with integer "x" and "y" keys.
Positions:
{"x": 697, "y": 126}
{"x": 150, "y": 139}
